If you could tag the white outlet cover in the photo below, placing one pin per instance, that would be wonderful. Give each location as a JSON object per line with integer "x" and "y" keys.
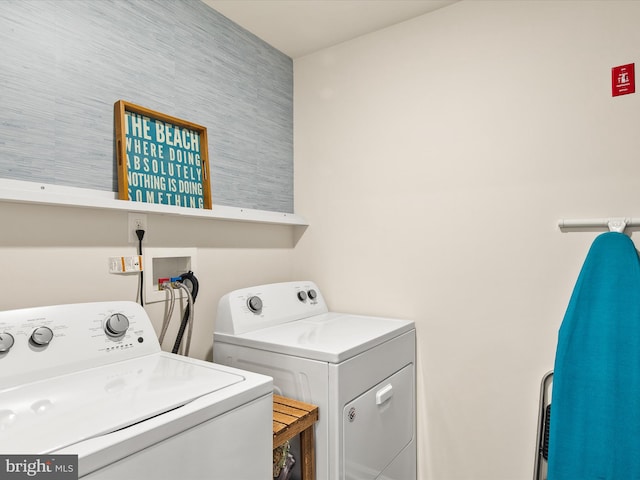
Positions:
{"x": 133, "y": 219}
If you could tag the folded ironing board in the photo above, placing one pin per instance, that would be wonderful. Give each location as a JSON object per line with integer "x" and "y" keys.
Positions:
{"x": 595, "y": 432}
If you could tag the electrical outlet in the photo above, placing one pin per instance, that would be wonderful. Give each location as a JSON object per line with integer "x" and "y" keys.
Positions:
{"x": 137, "y": 221}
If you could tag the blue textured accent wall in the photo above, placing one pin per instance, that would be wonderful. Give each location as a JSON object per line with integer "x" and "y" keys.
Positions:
{"x": 63, "y": 64}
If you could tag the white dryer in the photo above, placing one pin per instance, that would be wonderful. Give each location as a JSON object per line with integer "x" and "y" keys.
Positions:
{"x": 359, "y": 370}
{"x": 90, "y": 380}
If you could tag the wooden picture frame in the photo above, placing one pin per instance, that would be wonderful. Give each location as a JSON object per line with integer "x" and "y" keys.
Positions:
{"x": 161, "y": 159}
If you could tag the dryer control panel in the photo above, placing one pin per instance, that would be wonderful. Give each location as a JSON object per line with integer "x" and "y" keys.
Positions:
{"x": 41, "y": 342}
{"x": 253, "y": 308}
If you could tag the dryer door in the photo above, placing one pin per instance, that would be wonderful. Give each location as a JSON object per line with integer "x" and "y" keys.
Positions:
{"x": 378, "y": 425}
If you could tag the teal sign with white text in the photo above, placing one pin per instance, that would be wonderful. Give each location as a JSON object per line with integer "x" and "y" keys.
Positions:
{"x": 164, "y": 162}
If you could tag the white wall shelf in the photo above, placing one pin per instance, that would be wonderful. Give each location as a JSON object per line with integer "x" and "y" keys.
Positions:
{"x": 17, "y": 191}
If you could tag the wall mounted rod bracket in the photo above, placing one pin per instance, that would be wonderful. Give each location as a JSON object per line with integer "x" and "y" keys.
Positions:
{"x": 617, "y": 224}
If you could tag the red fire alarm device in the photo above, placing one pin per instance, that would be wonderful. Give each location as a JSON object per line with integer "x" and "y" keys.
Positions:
{"x": 623, "y": 80}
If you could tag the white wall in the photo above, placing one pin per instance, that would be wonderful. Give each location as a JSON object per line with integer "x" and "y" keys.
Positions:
{"x": 433, "y": 160}
{"x": 55, "y": 255}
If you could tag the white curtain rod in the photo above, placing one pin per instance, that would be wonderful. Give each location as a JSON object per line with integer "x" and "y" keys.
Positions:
{"x": 613, "y": 224}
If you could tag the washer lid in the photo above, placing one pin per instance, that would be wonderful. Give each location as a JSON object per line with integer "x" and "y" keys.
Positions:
{"x": 44, "y": 416}
{"x": 330, "y": 337}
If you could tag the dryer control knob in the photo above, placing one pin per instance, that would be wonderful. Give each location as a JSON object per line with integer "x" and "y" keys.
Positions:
{"x": 6, "y": 342}
{"x": 255, "y": 304}
{"x": 42, "y": 336}
{"x": 302, "y": 296}
{"x": 116, "y": 325}
{"x": 312, "y": 294}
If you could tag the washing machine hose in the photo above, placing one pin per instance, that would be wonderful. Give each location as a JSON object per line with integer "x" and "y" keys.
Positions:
{"x": 190, "y": 281}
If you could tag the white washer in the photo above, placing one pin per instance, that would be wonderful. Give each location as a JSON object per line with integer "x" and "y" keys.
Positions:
{"x": 359, "y": 370}
{"x": 90, "y": 380}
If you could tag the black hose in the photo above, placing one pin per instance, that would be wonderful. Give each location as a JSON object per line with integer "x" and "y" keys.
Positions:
{"x": 191, "y": 282}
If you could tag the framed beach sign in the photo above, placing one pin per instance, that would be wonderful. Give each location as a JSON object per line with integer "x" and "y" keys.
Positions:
{"x": 161, "y": 159}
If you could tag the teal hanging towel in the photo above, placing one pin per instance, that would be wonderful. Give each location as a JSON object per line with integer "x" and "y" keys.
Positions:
{"x": 595, "y": 412}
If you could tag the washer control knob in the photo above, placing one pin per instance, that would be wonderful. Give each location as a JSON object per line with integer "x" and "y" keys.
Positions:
{"x": 312, "y": 294}
{"x": 42, "y": 336}
{"x": 6, "y": 342}
{"x": 255, "y": 304}
{"x": 302, "y": 296}
{"x": 116, "y": 325}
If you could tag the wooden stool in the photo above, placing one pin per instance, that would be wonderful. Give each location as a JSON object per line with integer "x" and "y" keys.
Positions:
{"x": 291, "y": 417}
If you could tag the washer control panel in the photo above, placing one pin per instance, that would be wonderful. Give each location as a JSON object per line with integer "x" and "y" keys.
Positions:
{"x": 259, "y": 307}
{"x": 41, "y": 342}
